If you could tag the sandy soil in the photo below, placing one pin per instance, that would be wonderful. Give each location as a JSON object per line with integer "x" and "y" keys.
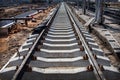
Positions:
{"x": 3, "y": 45}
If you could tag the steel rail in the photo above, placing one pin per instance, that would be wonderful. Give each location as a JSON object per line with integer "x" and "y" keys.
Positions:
{"x": 18, "y": 73}
{"x": 97, "y": 71}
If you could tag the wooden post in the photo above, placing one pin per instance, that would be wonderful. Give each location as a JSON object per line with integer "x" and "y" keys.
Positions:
{"x": 26, "y": 23}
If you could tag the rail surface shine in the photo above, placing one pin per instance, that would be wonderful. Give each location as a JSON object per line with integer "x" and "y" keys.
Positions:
{"x": 60, "y": 55}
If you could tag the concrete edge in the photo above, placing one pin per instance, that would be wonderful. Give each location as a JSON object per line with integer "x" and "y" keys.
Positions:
{"x": 106, "y": 37}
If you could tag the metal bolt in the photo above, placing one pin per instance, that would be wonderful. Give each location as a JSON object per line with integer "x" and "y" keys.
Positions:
{"x": 77, "y": 37}
{"x": 34, "y": 57}
{"x": 85, "y": 57}
{"x": 94, "y": 55}
{"x": 79, "y": 42}
{"x": 41, "y": 42}
{"x": 28, "y": 68}
{"x": 76, "y": 34}
{"x": 101, "y": 67}
{"x": 81, "y": 48}
{"x": 43, "y": 37}
{"x": 90, "y": 68}
{"x": 38, "y": 47}
{"x": 23, "y": 57}
{"x": 17, "y": 68}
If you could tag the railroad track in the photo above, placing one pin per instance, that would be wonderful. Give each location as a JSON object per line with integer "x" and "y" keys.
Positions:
{"x": 60, "y": 50}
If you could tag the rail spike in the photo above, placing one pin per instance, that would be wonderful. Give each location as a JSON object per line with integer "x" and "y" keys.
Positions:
{"x": 85, "y": 57}
{"x": 90, "y": 68}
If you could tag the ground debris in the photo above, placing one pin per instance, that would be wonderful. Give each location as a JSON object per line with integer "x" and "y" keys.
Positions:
{"x": 18, "y": 35}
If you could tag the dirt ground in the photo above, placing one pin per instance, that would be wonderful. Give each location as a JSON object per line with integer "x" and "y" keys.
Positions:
{"x": 3, "y": 46}
{"x": 10, "y": 44}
